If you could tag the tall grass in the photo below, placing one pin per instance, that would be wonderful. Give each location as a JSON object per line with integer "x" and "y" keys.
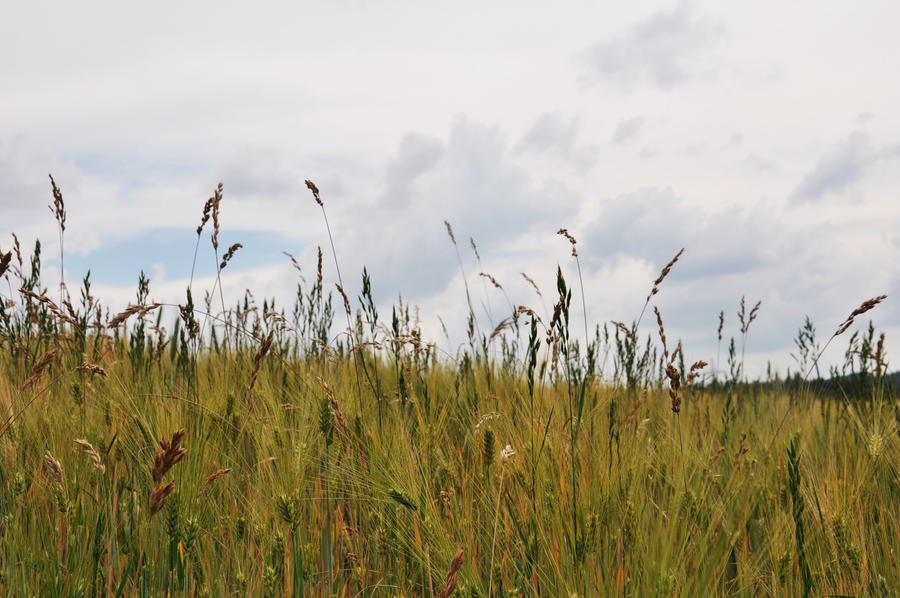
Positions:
{"x": 262, "y": 458}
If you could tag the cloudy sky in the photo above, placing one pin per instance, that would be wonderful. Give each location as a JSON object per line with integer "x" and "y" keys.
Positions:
{"x": 763, "y": 137}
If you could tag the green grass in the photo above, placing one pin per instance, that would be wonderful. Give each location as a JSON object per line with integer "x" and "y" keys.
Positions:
{"x": 358, "y": 467}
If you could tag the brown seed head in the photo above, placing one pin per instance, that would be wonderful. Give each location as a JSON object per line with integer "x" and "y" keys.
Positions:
{"x": 229, "y": 254}
{"x": 38, "y": 368}
{"x": 565, "y": 233}
{"x": 59, "y": 206}
{"x": 866, "y": 306}
{"x": 315, "y": 191}
{"x": 170, "y": 454}
{"x": 159, "y": 496}
{"x": 451, "y": 580}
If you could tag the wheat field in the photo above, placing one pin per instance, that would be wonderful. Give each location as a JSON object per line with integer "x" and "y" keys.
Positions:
{"x": 328, "y": 450}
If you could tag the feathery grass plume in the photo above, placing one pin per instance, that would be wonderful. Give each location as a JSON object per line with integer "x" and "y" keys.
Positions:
{"x": 229, "y": 254}
{"x": 123, "y": 315}
{"x": 721, "y": 324}
{"x": 89, "y": 450}
{"x": 866, "y": 306}
{"x": 39, "y": 368}
{"x": 565, "y": 233}
{"x": 59, "y": 206}
{"x": 54, "y": 469}
{"x": 5, "y": 259}
{"x": 264, "y": 347}
{"x": 747, "y": 319}
{"x": 451, "y": 580}
{"x": 694, "y": 371}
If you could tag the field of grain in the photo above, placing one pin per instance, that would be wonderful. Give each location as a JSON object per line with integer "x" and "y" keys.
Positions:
{"x": 328, "y": 449}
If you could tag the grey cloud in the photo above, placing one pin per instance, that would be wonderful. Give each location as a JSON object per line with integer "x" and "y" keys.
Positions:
{"x": 664, "y": 50}
{"x": 472, "y": 180}
{"x": 655, "y": 223}
{"x": 838, "y": 169}
{"x": 550, "y": 134}
{"x": 416, "y": 155}
{"x": 627, "y": 130}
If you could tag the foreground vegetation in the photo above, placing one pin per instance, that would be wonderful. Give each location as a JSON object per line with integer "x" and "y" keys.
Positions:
{"x": 248, "y": 451}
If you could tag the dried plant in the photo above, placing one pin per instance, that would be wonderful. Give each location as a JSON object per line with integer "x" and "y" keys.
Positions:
{"x": 171, "y": 453}
{"x": 54, "y": 469}
{"x": 39, "y": 368}
{"x": 229, "y": 254}
{"x": 264, "y": 347}
{"x": 451, "y": 580}
{"x": 89, "y": 450}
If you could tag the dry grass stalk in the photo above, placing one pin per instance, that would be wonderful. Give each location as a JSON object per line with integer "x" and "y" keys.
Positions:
{"x": 123, "y": 315}
{"x": 315, "y": 191}
{"x": 18, "y": 249}
{"x": 674, "y": 377}
{"x": 746, "y": 319}
{"x": 59, "y": 206}
{"x": 694, "y": 372}
{"x": 532, "y": 283}
{"x": 294, "y": 262}
{"x": 319, "y": 271}
{"x": 474, "y": 248}
{"x": 229, "y": 254}
{"x": 217, "y": 199}
{"x": 93, "y": 369}
{"x": 205, "y": 218}
{"x": 344, "y": 297}
{"x": 264, "y": 347}
{"x": 662, "y": 331}
{"x": 450, "y": 231}
{"x": 451, "y": 580}
{"x": 163, "y": 461}
{"x": 665, "y": 272}
{"x": 721, "y": 325}
{"x": 866, "y": 306}
{"x": 54, "y": 469}
{"x": 878, "y": 358}
{"x": 491, "y": 278}
{"x": 89, "y": 450}
{"x": 565, "y": 232}
{"x": 39, "y": 368}
{"x": 170, "y": 454}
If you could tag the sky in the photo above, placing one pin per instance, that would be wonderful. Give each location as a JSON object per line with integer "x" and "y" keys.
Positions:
{"x": 762, "y": 137}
